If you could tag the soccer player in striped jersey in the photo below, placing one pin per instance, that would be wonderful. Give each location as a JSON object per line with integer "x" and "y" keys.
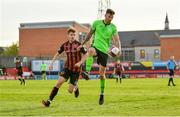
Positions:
{"x": 19, "y": 70}
{"x": 70, "y": 71}
{"x": 118, "y": 69}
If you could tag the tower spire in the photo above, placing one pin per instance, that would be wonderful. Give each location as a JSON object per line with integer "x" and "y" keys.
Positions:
{"x": 166, "y": 23}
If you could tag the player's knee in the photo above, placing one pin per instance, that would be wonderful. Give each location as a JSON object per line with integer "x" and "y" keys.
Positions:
{"x": 58, "y": 85}
{"x": 102, "y": 73}
{"x": 70, "y": 90}
{"x": 102, "y": 76}
{"x": 91, "y": 51}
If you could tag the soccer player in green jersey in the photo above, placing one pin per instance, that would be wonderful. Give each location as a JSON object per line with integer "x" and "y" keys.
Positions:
{"x": 43, "y": 70}
{"x": 103, "y": 32}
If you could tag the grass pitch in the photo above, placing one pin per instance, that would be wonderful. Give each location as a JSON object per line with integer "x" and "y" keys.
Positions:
{"x": 137, "y": 97}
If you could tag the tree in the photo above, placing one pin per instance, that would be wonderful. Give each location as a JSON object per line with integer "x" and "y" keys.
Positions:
{"x": 12, "y": 50}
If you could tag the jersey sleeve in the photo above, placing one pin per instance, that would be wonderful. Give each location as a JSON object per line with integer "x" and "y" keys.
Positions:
{"x": 94, "y": 25}
{"x": 61, "y": 49}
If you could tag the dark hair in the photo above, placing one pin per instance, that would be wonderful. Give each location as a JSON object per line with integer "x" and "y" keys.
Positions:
{"x": 17, "y": 58}
{"x": 71, "y": 30}
{"x": 110, "y": 11}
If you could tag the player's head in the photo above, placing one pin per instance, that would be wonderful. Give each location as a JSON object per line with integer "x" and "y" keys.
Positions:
{"x": 71, "y": 34}
{"x": 109, "y": 15}
{"x": 172, "y": 57}
{"x": 17, "y": 59}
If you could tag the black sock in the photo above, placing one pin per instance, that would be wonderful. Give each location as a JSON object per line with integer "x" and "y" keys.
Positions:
{"x": 19, "y": 79}
{"x": 169, "y": 81}
{"x": 53, "y": 93}
{"x": 23, "y": 81}
{"x": 172, "y": 81}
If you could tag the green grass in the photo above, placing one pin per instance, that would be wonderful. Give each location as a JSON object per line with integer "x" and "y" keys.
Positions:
{"x": 147, "y": 97}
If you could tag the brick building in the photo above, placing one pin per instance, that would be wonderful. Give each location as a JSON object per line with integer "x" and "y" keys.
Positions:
{"x": 43, "y": 39}
{"x": 170, "y": 45}
{"x": 150, "y": 45}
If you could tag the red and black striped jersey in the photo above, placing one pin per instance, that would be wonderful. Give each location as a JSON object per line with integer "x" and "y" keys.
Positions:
{"x": 73, "y": 55}
{"x": 119, "y": 68}
{"x": 18, "y": 64}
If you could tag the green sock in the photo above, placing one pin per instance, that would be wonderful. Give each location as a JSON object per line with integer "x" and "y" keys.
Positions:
{"x": 102, "y": 83}
{"x": 89, "y": 62}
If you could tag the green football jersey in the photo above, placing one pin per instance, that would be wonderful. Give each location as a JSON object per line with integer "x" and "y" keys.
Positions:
{"x": 103, "y": 35}
{"x": 43, "y": 67}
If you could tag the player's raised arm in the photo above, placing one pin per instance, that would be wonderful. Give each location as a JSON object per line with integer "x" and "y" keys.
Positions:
{"x": 88, "y": 37}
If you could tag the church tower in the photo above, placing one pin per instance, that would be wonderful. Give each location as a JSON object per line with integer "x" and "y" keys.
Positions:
{"x": 166, "y": 23}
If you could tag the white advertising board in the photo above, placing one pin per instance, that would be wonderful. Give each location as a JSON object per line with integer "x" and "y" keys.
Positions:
{"x": 36, "y": 65}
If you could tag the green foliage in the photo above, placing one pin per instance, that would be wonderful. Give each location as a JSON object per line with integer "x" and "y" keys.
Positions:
{"x": 137, "y": 97}
{"x": 12, "y": 50}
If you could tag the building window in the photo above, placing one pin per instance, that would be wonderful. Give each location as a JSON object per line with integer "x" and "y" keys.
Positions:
{"x": 156, "y": 54}
{"x": 128, "y": 55}
{"x": 142, "y": 54}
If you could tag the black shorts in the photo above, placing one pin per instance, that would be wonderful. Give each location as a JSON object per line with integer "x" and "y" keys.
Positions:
{"x": 43, "y": 72}
{"x": 74, "y": 76}
{"x": 171, "y": 72}
{"x": 101, "y": 57}
{"x": 19, "y": 71}
{"x": 118, "y": 73}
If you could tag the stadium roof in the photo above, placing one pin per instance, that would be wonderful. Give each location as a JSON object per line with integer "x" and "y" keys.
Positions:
{"x": 131, "y": 39}
{"x": 62, "y": 24}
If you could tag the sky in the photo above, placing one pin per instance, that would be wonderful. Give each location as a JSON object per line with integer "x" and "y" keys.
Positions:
{"x": 131, "y": 15}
